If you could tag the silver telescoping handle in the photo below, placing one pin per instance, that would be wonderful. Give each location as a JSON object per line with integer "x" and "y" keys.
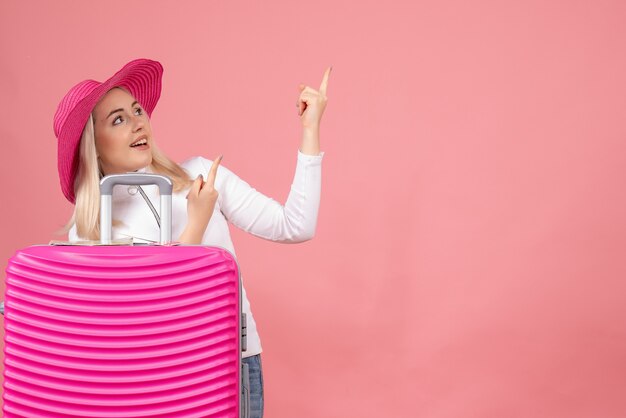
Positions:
{"x": 135, "y": 179}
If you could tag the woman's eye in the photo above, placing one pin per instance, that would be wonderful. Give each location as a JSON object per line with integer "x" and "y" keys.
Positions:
{"x": 138, "y": 111}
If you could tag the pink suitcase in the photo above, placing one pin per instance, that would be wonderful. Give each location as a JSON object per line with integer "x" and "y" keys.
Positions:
{"x": 124, "y": 331}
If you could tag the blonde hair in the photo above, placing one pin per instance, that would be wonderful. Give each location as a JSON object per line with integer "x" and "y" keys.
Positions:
{"x": 86, "y": 214}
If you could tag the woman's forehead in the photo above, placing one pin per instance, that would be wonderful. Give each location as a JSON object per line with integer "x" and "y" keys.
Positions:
{"x": 115, "y": 98}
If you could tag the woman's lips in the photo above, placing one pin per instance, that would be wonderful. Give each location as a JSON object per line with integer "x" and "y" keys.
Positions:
{"x": 141, "y": 147}
{"x": 142, "y": 138}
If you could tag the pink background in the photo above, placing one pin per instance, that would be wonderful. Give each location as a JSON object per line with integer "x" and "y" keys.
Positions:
{"x": 469, "y": 258}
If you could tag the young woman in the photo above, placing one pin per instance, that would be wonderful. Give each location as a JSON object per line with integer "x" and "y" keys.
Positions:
{"x": 104, "y": 128}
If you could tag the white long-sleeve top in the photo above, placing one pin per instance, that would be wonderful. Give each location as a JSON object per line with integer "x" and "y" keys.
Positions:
{"x": 238, "y": 203}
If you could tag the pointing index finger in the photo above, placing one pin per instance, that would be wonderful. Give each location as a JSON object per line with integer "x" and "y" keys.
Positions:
{"x": 324, "y": 84}
{"x": 213, "y": 171}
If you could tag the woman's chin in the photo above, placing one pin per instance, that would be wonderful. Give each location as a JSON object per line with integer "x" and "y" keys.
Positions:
{"x": 146, "y": 160}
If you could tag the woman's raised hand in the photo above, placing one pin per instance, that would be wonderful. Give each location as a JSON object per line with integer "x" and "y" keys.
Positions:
{"x": 311, "y": 103}
{"x": 202, "y": 197}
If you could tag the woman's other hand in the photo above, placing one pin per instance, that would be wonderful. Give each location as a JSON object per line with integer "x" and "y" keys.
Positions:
{"x": 202, "y": 197}
{"x": 200, "y": 204}
{"x": 311, "y": 103}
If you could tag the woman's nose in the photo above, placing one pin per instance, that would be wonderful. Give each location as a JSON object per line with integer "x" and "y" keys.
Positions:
{"x": 138, "y": 123}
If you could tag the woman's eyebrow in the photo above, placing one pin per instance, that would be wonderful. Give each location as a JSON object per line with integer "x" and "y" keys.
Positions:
{"x": 119, "y": 110}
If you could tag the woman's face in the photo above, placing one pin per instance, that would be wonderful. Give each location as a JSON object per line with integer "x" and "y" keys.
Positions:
{"x": 122, "y": 132}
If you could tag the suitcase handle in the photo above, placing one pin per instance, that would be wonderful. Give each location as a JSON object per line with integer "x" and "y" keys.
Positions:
{"x": 135, "y": 179}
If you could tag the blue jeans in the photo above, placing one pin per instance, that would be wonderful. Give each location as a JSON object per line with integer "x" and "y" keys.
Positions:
{"x": 255, "y": 385}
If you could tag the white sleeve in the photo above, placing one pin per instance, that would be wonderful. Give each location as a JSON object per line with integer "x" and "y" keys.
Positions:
{"x": 264, "y": 217}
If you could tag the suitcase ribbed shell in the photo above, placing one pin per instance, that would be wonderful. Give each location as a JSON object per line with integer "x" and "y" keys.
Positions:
{"x": 122, "y": 331}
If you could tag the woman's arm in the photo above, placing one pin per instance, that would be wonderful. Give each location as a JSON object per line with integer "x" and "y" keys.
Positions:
{"x": 262, "y": 216}
{"x": 296, "y": 221}
{"x": 310, "y": 141}
{"x": 192, "y": 234}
